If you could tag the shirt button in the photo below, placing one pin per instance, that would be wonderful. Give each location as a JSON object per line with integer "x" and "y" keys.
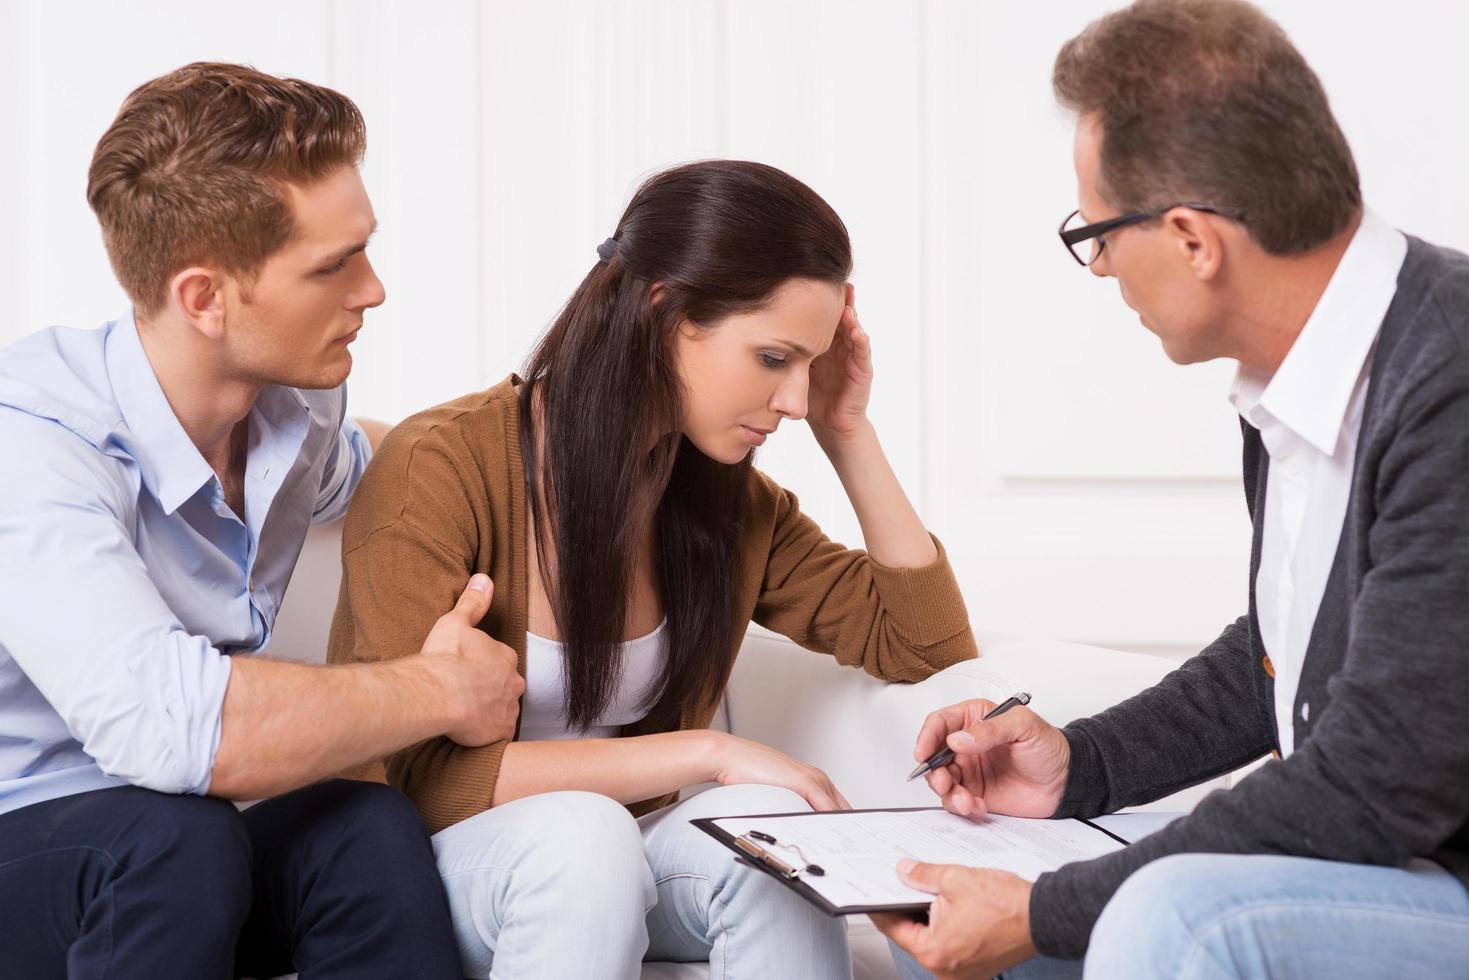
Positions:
{"x": 1305, "y": 711}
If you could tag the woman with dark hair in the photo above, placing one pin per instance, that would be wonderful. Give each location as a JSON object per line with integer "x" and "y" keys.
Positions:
{"x": 610, "y": 497}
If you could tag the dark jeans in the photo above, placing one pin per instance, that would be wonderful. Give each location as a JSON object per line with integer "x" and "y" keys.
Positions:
{"x": 335, "y": 880}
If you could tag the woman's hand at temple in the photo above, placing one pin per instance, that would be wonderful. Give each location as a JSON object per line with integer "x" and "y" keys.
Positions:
{"x": 841, "y": 383}
{"x": 836, "y": 409}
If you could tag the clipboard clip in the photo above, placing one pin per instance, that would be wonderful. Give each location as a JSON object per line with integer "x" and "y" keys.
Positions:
{"x": 747, "y": 843}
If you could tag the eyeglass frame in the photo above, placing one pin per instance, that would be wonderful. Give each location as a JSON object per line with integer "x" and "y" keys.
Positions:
{"x": 1097, "y": 229}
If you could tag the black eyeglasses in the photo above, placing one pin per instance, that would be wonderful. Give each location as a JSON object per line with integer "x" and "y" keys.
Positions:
{"x": 1073, "y": 234}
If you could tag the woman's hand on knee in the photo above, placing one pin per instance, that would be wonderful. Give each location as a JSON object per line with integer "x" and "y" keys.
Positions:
{"x": 739, "y": 760}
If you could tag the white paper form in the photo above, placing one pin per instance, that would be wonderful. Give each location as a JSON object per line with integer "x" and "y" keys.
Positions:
{"x": 860, "y": 851}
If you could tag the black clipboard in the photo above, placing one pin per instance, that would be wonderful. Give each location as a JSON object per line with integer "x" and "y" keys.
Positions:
{"x": 794, "y": 881}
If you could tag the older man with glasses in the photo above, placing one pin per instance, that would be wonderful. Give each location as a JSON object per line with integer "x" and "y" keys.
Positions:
{"x": 1347, "y": 853}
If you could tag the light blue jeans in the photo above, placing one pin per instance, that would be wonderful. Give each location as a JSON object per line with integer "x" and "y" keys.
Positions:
{"x": 1214, "y": 916}
{"x": 569, "y": 885}
{"x": 1038, "y": 968}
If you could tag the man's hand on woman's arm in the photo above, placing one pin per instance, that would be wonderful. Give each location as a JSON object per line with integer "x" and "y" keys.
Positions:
{"x": 285, "y": 725}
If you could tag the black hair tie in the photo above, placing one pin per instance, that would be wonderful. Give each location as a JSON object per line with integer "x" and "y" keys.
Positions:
{"x": 607, "y": 249}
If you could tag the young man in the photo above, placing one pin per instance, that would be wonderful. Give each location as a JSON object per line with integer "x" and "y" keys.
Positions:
{"x": 160, "y": 477}
{"x": 1216, "y": 187}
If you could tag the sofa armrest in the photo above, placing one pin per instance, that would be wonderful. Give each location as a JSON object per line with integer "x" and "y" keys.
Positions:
{"x": 304, "y": 622}
{"x": 860, "y": 730}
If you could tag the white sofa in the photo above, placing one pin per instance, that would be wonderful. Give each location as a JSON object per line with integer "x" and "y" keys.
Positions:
{"x": 860, "y": 730}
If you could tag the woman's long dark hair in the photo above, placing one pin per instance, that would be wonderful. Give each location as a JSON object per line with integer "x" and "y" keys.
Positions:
{"x": 717, "y": 238}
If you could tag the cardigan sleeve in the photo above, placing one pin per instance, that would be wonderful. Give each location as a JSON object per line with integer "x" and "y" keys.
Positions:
{"x": 899, "y": 624}
{"x": 1202, "y": 720}
{"x": 1383, "y": 774}
{"x": 409, "y": 546}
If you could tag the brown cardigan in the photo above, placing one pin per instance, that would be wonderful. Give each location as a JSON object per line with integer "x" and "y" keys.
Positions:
{"x": 445, "y": 498}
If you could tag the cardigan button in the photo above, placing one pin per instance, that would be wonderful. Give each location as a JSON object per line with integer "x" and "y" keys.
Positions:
{"x": 1269, "y": 667}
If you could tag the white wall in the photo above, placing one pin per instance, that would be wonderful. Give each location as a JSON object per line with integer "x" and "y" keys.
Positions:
{"x": 1086, "y": 487}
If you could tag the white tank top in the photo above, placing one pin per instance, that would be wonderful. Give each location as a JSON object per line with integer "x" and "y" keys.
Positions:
{"x": 543, "y": 707}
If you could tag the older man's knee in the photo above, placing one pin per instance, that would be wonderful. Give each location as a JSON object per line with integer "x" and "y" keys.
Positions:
{"x": 1153, "y": 905}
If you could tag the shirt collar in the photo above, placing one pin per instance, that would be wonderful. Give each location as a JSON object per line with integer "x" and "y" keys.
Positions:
{"x": 171, "y": 465}
{"x": 285, "y": 407}
{"x": 1311, "y": 392}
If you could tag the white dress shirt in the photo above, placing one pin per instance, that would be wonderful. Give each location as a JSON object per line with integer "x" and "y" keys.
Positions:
{"x": 1308, "y": 414}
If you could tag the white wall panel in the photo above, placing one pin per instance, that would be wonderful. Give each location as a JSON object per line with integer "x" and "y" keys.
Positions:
{"x": 1086, "y": 487}
{"x": 578, "y": 106}
{"x": 21, "y": 152}
{"x": 1077, "y": 472}
{"x": 806, "y": 99}
{"x": 417, "y": 82}
{"x": 1080, "y": 388}
{"x": 85, "y": 58}
{"x": 1394, "y": 73}
{"x": 1101, "y": 498}
{"x": 539, "y": 217}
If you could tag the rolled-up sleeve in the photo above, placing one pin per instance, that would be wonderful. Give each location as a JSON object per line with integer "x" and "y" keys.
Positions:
{"x": 80, "y": 616}
{"x": 344, "y": 467}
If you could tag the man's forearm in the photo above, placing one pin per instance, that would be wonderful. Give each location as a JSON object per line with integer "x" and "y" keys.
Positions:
{"x": 1199, "y": 721}
{"x": 286, "y": 725}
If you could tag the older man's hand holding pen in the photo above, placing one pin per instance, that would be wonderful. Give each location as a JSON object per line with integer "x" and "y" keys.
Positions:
{"x": 1011, "y": 762}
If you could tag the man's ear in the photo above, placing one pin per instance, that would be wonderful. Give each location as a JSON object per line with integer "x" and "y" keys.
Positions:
{"x": 197, "y": 292}
{"x": 1197, "y": 239}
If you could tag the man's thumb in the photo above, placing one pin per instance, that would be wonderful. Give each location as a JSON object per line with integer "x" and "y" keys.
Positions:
{"x": 474, "y": 601}
{"x": 924, "y": 877}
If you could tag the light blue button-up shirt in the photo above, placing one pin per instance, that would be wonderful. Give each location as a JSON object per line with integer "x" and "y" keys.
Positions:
{"x": 126, "y": 582}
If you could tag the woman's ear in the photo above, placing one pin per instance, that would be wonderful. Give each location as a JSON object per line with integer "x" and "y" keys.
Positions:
{"x": 686, "y": 328}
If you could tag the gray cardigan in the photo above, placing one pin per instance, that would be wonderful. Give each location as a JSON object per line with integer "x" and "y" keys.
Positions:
{"x": 1381, "y": 769}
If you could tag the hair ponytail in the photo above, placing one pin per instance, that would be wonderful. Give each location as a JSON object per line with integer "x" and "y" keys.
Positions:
{"x": 696, "y": 243}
